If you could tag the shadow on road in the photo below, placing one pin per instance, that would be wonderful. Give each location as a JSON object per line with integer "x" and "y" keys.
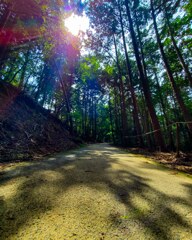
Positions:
{"x": 41, "y": 184}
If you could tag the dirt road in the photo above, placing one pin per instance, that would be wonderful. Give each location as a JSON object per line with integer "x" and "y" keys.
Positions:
{"x": 96, "y": 192}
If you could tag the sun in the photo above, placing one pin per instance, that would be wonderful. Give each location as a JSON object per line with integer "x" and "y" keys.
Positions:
{"x": 76, "y": 23}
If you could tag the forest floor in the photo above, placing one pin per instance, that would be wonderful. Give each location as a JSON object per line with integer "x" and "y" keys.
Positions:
{"x": 169, "y": 159}
{"x": 94, "y": 192}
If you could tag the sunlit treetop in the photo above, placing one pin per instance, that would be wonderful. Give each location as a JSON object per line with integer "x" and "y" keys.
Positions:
{"x": 76, "y": 24}
{"x": 23, "y": 21}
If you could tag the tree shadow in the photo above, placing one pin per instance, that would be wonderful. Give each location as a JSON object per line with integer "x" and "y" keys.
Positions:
{"x": 43, "y": 182}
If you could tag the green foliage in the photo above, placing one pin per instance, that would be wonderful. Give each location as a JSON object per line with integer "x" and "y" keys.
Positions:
{"x": 93, "y": 93}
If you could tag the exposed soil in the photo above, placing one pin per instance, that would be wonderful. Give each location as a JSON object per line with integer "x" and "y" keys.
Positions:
{"x": 27, "y": 130}
{"x": 93, "y": 193}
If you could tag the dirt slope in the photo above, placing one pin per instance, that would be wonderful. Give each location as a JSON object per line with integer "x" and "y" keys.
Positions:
{"x": 27, "y": 129}
{"x": 93, "y": 193}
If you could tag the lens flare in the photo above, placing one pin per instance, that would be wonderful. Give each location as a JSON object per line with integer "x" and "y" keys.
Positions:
{"x": 76, "y": 24}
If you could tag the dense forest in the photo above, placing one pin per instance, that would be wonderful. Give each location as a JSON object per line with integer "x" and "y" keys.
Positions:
{"x": 127, "y": 80}
{"x": 96, "y": 119}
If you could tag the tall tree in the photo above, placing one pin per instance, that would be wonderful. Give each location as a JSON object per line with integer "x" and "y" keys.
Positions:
{"x": 144, "y": 82}
{"x": 186, "y": 114}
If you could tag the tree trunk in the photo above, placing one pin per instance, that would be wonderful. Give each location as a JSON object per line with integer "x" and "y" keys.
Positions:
{"x": 170, "y": 136}
{"x": 95, "y": 120}
{"x": 140, "y": 44}
{"x": 122, "y": 94}
{"x": 37, "y": 93}
{"x": 176, "y": 90}
{"x": 68, "y": 107}
{"x": 111, "y": 119}
{"x": 21, "y": 83}
{"x": 179, "y": 54}
{"x": 116, "y": 114}
{"x": 130, "y": 82}
{"x": 144, "y": 81}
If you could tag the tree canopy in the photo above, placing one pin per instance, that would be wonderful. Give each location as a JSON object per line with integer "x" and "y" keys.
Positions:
{"x": 131, "y": 84}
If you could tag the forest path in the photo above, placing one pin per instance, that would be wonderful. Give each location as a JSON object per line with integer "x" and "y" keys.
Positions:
{"x": 96, "y": 192}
